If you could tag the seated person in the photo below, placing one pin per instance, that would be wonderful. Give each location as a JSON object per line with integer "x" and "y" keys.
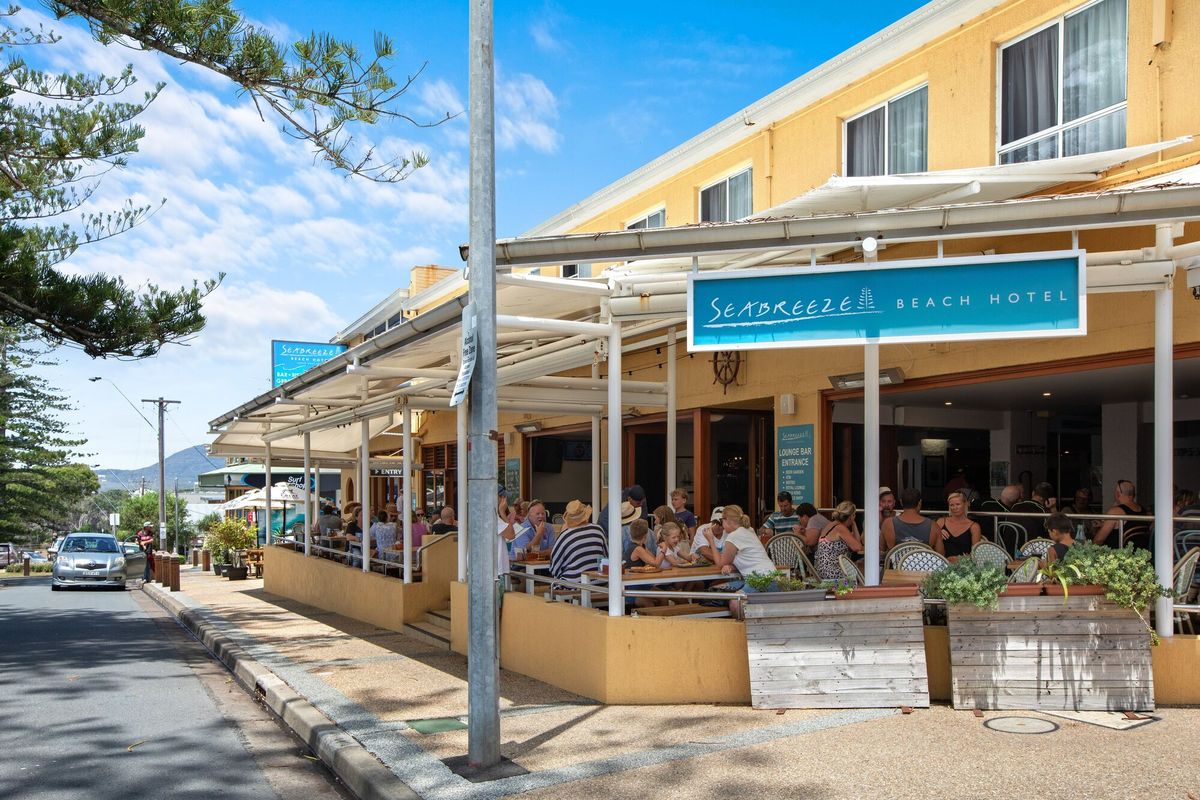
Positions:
{"x": 419, "y": 528}
{"x": 641, "y": 550}
{"x": 669, "y": 547}
{"x": 743, "y": 551}
{"x": 383, "y": 537}
{"x": 445, "y": 522}
{"x": 956, "y": 533}
{"x": 1062, "y": 532}
{"x": 580, "y": 545}
{"x": 329, "y": 522}
{"x": 811, "y": 523}
{"x": 710, "y": 538}
{"x": 781, "y": 521}
{"x": 837, "y": 539}
{"x": 909, "y": 525}
{"x": 536, "y": 536}
{"x": 686, "y": 519}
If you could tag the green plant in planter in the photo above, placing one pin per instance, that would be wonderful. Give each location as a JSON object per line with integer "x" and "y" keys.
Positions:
{"x": 227, "y": 537}
{"x": 1127, "y": 575}
{"x": 965, "y": 581}
{"x": 1064, "y": 573}
{"x": 791, "y": 584}
{"x": 761, "y": 581}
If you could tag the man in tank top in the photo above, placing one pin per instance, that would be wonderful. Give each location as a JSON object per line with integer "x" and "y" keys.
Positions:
{"x": 908, "y": 525}
{"x": 1125, "y": 495}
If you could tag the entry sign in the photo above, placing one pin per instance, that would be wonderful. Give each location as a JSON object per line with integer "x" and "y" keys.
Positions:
{"x": 794, "y": 452}
{"x": 290, "y": 359}
{"x": 466, "y": 364}
{"x": 931, "y": 300}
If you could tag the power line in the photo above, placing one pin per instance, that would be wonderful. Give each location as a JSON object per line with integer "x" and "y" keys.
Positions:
{"x": 195, "y": 447}
{"x": 127, "y": 400}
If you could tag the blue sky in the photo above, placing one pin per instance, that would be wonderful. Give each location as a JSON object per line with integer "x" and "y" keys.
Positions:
{"x": 586, "y": 92}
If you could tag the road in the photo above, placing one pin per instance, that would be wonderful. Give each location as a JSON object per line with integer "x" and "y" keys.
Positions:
{"x": 102, "y": 695}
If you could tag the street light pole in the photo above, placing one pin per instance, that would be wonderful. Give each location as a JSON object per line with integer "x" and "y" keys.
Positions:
{"x": 162, "y": 471}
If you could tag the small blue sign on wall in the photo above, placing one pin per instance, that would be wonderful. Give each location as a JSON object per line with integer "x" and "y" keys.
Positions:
{"x": 794, "y": 456}
{"x": 290, "y": 359}
{"x": 936, "y": 300}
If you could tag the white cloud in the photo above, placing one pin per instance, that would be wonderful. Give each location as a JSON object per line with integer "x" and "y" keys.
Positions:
{"x": 525, "y": 111}
{"x": 544, "y": 37}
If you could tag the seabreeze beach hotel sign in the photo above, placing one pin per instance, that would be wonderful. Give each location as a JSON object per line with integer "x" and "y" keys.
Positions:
{"x": 950, "y": 299}
{"x": 290, "y": 359}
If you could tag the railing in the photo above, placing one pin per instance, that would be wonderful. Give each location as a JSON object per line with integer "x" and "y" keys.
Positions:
{"x": 338, "y": 554}
{"x": 602, "y": 589}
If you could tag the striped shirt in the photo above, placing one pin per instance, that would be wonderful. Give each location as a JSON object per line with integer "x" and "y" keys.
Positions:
{"x": 782, "y": 523}
{"x": 578, "y": 550}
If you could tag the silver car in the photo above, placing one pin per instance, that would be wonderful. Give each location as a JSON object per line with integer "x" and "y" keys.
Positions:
{"x": 94, "y": 559}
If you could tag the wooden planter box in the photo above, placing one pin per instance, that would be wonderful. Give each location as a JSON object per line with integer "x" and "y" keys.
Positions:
{"x": 836, "y": 653}
{"x": 1088, "y": 654}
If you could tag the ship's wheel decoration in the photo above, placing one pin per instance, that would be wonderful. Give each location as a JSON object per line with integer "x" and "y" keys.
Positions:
{"x": 726, "y": 366}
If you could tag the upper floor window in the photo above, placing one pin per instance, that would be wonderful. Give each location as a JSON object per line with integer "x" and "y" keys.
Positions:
{"x": 1062, "y": 87}
{"x": 577, "y": 270}
{"x": 727, "y": 200}
{"x": 656, "y": 220}
{"x": 891, "y": 138}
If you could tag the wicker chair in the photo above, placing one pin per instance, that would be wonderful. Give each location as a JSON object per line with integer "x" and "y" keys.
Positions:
{"x": 1181, "y": 584}
{"x": 924, "y": 560}
{"x": 898, "y": 552}
{"x": 1026, "y": 573}
{"x": 851, "y": 571}
{"x": 990, "y": 554}
{"x": 1036, "y": 547}
{"x": 786, "y": 549}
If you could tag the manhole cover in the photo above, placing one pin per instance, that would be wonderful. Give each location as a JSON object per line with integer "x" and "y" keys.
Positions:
{"x": 1021, "y": 725}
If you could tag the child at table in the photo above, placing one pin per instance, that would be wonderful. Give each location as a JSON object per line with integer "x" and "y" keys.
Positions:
{"x": 668, "y": 548}
{"x": 640, "y": 552}
{"x": 1062, "y": 533}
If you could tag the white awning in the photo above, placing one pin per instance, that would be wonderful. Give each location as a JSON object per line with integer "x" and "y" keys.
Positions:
{"x": 841, "y": 195}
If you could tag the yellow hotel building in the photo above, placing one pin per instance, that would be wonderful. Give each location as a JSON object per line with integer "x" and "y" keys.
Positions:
{"x": 968, "y": 128}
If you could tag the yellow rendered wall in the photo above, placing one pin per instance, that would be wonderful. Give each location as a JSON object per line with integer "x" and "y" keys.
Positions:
{"x": 366, "y": 596}
{"x": 1176, "y": 663}
{"x": 587, "y": 652}
{"x": 458, "y": 617}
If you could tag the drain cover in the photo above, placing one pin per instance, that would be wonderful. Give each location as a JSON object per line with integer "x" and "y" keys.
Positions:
{"x": 1021, "y": 725}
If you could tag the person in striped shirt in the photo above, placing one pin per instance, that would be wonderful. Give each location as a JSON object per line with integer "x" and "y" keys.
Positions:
{"x": 580, "y": 545}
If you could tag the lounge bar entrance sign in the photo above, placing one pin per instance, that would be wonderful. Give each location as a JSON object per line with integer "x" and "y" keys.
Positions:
{"x": 290, "y": 359}
{"x": 930, "y": 300}
{"x": 794, "y": 450}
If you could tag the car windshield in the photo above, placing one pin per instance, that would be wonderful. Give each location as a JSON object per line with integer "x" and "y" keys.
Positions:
{"x": 90, "y": 544}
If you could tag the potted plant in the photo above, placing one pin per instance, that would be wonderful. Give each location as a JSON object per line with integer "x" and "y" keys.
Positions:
{"x": 1125, "y": 576}
{"x": 775, "y": 587}
{"x": 969, "y": 582}
{"x": 225, "y": 539}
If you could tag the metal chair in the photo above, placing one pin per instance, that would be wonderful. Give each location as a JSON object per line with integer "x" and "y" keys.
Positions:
{"x": 785, "y": 549}
{"x": 1181, "y": 584}
{"x": 898, "y": 552}
{"x": 1136, "y": 535}
{"x": 923, "y": 561}
{"x": 1036, "y": 547}
{"x": 1011, "y": 535}
{"x": 557, "y": 519}
{"x": 1026, "y": 573}
{"x": 809, "y": 567}
{"x": 851, "y": 571}
{"x": 990, "y": 554}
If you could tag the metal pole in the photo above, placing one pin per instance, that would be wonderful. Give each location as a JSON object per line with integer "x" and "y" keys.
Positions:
{"x": 308, "y": 493}
{"x": 364, "y": 493}
{"x": 616, "y": 599}
{"x": 162, "y": 471}
{"x": 270, "y": 484}
{"x": 406, "y": 492}
{"x": 671, "y": 416}
{"x": 178, "y": 543}
{"x": 1164, "y": 431}
{"x": 483, "y": 659}
{"x": 597, "y": 451}
{"x": 460, "y": 516}
{"x": 871, "y": 463}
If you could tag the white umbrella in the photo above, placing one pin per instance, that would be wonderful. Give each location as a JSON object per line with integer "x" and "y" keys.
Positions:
{"x": 283, "y": 494}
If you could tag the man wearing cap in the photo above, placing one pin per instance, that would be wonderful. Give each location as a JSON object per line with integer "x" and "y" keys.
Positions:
{"x": 710, "y": 538}
{"x": 887, "y": 503}
{"x": 580, "y": 545}
{"x": 636, "y": 496}
{"x": 145, "y": 540}
{"x": 781, "y": 521}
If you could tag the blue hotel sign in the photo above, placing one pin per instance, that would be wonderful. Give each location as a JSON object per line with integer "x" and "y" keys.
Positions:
{"x": 949, "y": 299}
{"x": 289, "y": 359}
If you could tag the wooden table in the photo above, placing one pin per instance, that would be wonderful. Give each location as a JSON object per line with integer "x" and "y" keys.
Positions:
{"x": 673, "y": 575}
{"x": 532, "y": 567}
{"x": 901, "y": 577}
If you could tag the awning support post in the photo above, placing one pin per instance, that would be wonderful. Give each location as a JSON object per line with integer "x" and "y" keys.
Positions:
{"x": 269, "y": 485}
{"x": 308, "y": 519}
{"x": 1164, "y": 432}
{"x": 364, "y": 493}
{"x": 672, "y": 412}
{"x": 596, "y": 453}
{"x": 406, "y": 494}
{"x": 460, "y": 513}
{"x": 616, "y": 594}
{"x": 870, "y": 527}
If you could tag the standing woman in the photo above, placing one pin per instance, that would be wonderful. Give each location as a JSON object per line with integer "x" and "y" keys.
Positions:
{"x": 956, "y": 534}
{"x": 837, "y": 539}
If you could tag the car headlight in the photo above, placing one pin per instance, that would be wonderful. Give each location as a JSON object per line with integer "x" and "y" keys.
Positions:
{"x": 118, "y": 563}
{"x": 62, "y": 560}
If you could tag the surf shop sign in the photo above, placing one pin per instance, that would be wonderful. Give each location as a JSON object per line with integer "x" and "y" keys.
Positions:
{"x": 951, "y": 299}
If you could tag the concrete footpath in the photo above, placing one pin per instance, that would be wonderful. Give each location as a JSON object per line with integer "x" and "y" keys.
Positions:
{"x": 387, "y": 713}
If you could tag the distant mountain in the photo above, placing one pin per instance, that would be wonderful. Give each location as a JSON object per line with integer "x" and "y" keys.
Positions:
{"x": 184, "y": 465}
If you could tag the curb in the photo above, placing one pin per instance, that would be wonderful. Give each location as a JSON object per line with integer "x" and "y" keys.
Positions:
{"x": 361, "y": 772}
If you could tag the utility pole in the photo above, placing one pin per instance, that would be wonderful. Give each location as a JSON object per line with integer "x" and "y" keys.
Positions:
{"x": 162, "y": 471}
{"x": 483, "y": 657}
{"x": 178, "y": 544}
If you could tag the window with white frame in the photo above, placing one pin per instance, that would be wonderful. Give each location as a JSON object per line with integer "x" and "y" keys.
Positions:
{"x": 891, "y": 138}
{"x": 728, "y": 199}
{"x": 656, "y": 220}
{"x": 1062, "y": 87}
{"x": 577, "y": 270}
